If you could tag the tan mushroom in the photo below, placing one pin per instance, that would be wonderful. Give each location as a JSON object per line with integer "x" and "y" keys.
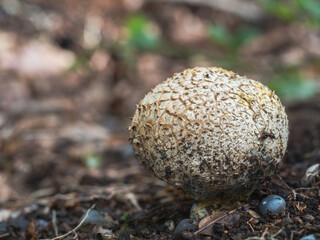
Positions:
{"x": 210, "y": 132}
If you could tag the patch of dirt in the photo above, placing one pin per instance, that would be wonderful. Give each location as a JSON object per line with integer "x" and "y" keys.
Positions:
{"x": 66, "y": 98}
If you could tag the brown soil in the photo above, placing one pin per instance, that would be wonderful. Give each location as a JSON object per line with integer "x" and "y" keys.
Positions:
{"x": 63, "y": 133}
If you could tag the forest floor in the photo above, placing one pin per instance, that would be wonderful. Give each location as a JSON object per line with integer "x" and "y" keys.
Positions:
{"x": 71, "y": 74}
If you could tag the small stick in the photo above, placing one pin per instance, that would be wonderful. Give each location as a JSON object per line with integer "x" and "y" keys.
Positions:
{"x": 288, "y": 187}
{"x": 285, "y": 184}
{"x": 264, "y": 233}
{"x": 54, "y": 222}
{"x": 74, "y": 230}
{"x": 252, "y": 229}
{"x": 276, "y": 234}
{"x": 75, "y": 235}
{"x": 219, "y": 218}
{"x": 4, "y": 235}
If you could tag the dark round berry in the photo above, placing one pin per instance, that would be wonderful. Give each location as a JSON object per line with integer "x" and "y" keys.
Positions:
{"x": 273, "y": 204}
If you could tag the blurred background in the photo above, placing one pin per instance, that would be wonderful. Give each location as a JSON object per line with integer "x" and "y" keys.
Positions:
{"x": 72, "y": 72}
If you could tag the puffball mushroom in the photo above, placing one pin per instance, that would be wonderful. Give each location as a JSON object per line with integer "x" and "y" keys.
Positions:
{"x": 210, "y": 132}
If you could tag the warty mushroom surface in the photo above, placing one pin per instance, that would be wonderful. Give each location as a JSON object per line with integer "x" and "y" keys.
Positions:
{"x": 210, "y": 132}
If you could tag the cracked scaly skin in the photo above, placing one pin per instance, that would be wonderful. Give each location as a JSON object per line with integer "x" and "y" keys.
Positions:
{"x": 210, "y": 132}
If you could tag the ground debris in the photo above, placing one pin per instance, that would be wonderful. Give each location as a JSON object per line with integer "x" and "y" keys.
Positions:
{"x": 71, "y": 74}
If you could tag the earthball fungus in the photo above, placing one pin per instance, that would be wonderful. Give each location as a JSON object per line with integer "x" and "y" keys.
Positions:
{"x": 210, "y": 132}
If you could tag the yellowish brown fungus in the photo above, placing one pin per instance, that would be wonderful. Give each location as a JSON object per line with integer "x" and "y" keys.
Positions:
{"x": 210, "y": 132}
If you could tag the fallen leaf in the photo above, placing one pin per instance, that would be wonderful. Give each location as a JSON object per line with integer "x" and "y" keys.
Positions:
{"x": 253, "y": 213}
{"x": 205, "y": 221}
{"x": 225, "y": 218}
{"x": 31, "y": 230}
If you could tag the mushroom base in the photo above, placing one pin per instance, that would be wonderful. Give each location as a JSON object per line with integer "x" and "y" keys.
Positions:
{"x": 206, "y": 208}
{"x": 203, "y": 193}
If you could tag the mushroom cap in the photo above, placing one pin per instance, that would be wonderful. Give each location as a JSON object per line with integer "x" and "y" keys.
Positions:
{"x": 210, "y": 132}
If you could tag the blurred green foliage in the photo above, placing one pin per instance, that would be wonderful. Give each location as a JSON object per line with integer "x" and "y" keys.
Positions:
{"x": 124, "y": 217}
{"x": 310, "y": 6}
{"x": 306, "y": 12}
{"x": 229, "y": 40}
{"x": 93, "y": 161}
{"x": 219, "y": 34}
{"x": 281, "y": 10}
{"x": 291, "y": 86}
{"x": 141, "y": 33}
{"x": 311, "y": 10}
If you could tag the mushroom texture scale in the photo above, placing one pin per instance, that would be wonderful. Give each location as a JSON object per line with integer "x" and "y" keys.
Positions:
{"x": 210, "y": 132}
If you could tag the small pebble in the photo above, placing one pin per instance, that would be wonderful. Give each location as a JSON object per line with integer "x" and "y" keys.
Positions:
{"x": 170, "y": 225}
{"x": 308, "y": 218}
{"x": 5, "y": 214}
{"x": 273, "y": 204}
{"x": 199, "y": 211}
{"x": 312, "y": 172}
{"x": 185, "y": 229}
{"x": 94, "y": 218}
{"x": 311, "y": 237}
{"x": 42, "y": 223}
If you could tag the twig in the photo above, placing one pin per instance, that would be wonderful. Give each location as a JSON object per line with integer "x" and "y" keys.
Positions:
{"x": 75, "y": 235}
{"x": 4, "y": 235}
{"x": 254, "y": 238}
{"x": 76, "y": 228}
{"x": 294, "y": 191}
{"x": 303, "y": 188}
{"x": 244, "y": 9}
{"x": 265, "y": 232}
{"x": 132, "y": 198}
{"x": 258, "y": 238}
{"x": 272, "y": 237}
{"x": 294, "y": 232}
{"x": 284, "y": 183}
{"x": 288, "y": 187}
{"x": 54, "y": 222}
{"x": 219, "y": 218}
{"x": 252, "y": 229}
{"x": 276, "y": 234}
